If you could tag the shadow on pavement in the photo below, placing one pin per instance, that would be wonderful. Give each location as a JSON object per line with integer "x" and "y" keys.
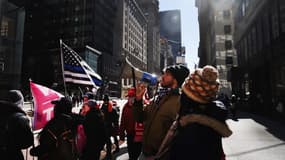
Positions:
{"x": 277, "y": 129}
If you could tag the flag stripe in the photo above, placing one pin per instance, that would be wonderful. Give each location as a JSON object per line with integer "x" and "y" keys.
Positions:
{"x": 76, "y": 70}
{"x": 96, "y": 81}
{"x": 78, "y": 75}
{"x": 73, "y": 68}
{"x": 78, "y": 81}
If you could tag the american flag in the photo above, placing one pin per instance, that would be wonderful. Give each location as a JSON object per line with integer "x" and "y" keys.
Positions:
{"x": 76, "y": 70}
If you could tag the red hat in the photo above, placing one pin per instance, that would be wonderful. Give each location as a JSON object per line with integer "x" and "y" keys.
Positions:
{"x": 131, "y": 92}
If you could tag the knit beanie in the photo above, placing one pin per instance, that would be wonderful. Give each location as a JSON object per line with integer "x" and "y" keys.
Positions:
{"x": 14, "y": 96}
{"x": 179, "y": 72}
{"x": 202, "y": 85}
{"x": 89, "y": 95}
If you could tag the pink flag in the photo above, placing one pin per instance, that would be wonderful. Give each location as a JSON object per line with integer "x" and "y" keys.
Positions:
{"x": 43, "y": 109}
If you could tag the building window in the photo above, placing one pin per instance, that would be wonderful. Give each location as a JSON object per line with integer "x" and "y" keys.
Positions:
{"x": 266, "y": 29}
{"x": 249, "y": 44}
{"x": 4, "y": 28}
{"x": 259, "y": 35}
{"x": 245, "y": 48}
{"x": 243, "y": 9}
{"x": 2, "y": 64}
{"x": 229, "y": 60}
{"x": 282, "y": 15}
{"x": 227, "y": 14}
{"x": 227, "y": 29}
{"x": 228, "y": 44}
{"x": 275, "y": 24}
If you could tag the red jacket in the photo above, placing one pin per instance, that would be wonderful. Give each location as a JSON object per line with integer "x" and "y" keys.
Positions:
{"x": 127, "y": 122}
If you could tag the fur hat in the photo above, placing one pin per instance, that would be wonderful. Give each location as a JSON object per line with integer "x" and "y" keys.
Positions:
{"x": 202, "y": 85}
{"x": 179, "y": 72}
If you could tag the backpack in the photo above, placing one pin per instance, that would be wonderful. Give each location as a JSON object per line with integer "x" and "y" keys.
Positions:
{"x": 59, "y": 141}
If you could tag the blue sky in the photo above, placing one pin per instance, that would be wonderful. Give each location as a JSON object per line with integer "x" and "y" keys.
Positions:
{"x": 189, "y": 24}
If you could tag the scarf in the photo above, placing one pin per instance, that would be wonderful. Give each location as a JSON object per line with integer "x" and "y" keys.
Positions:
{"x": 161, "y": 92}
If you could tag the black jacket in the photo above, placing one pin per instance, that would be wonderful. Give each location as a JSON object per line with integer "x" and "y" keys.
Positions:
{"x": 94, "y": 128}
{"x": 60, "y": 127}
{"x": 95, "y": 132}
{"x": 197, "y": 141}
{"x": 16, "y": 133}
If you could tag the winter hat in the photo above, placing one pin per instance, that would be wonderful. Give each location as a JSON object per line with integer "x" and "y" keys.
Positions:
{"x": 14, "y": 96}
{"x": 89, "y": 95}
{"x": 92, "y": 103}
{"x": 179, "y": 72}
{"x": 106, "y": 98}
{"x": 202, "y": 85}
{"x": 62, "y": 105}
{"x": 131, "y": 92}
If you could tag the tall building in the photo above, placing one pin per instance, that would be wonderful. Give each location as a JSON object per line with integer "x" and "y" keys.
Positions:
{"x": 259, "y": 40}
{"x": 130, "y": 37}
{"x": 166, "y": 56}
{"x": 170, "y": 28}
{"x": 204, "y": 51}
{"x": 12, "y": 19}
{"x": 216, "y": 38}
{"x": 150, "y": 9}
{"x": 78, "y": 24}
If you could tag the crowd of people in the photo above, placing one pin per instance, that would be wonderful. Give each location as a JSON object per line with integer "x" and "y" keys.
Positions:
{"x": 184, "y": 118}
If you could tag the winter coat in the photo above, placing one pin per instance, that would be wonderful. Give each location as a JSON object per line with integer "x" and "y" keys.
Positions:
{"x": 17, "y": 133}
{"x": 94, "y": 128}
{"x": 157, "y": 118}
{"x": 57, "y": 139}
{"x": 127, "y": 122}
{"x": 198, "y": 141}
{"x": 111, "y": 118}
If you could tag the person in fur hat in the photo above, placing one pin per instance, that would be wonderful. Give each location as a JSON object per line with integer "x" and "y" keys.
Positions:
{"x": 201, "y": 118}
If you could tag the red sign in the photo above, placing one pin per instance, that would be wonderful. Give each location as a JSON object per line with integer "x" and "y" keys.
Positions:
{"x": 43, "y": 109}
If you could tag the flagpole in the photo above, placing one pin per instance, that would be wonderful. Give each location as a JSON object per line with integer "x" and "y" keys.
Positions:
{"x": 62, "y": 67}
{"x": 33, "y": 105}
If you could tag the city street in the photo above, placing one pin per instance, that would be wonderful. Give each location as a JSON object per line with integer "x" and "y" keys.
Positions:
{"x": 229, "y": 50}
{"x": 253, "y": 138}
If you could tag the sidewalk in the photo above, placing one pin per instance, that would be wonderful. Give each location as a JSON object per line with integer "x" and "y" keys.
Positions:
{"x": 255, "y": 137}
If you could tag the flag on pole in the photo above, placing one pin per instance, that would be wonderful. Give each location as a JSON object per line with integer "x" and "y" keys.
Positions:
{"x": 76, "y": 70}
{"x": 43, "y": 109}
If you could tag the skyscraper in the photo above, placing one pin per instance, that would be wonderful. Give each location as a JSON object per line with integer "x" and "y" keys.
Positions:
{"x": 170, "y": 28}
{"x": 216, "y": 48}
{"x": 150, "y": 10}
{"x": 12, "y": 18}
{"x": 78, "y": 24}
{"x": 131, "y": 37}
